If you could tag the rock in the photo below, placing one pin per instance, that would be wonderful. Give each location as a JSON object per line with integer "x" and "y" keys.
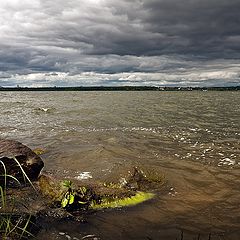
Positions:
{"x": 30, "y": 162}
{"x": 87, "y": 195}
{"x": 138, "y": 178}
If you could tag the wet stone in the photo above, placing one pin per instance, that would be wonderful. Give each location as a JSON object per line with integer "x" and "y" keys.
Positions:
{"x": 15, "y": 157}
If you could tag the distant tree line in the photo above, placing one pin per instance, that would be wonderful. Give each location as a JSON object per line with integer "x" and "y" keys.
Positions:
{"x": 120, "y": 88}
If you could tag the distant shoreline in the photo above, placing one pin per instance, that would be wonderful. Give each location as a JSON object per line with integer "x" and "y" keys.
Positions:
{"x": 122, "y": 88}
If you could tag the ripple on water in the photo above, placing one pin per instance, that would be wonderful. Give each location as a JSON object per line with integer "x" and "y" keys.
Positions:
{"x": 192, "y": 137}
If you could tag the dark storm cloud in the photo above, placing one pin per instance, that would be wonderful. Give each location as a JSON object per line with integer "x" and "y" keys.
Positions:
{"x": 205, "y": 26}
{"x": 119, "y": 42}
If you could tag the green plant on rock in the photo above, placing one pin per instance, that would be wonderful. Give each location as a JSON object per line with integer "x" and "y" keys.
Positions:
{"x": 69, "y": 196}
{"x": 72, "y": 196}
{"x": 82, "y": 192}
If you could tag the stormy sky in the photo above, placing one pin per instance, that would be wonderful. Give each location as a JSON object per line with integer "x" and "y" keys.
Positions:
{"x": 108, "y": 42}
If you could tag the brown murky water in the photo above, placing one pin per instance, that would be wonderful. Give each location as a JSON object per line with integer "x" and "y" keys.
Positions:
{"x": 191, "y": 137}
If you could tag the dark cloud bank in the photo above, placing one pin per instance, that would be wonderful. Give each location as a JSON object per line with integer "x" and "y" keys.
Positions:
{"x": 107, "y": 42}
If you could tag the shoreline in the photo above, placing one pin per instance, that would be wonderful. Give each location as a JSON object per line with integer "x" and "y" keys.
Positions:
{"x": 120, "y": 88}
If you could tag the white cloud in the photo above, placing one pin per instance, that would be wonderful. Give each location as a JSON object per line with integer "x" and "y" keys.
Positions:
{"x": 191, "y": 77}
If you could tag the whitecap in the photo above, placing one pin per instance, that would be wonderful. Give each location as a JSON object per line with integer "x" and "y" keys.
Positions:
{"x": 84, "y": 176}
{"x": 226, "y": 161}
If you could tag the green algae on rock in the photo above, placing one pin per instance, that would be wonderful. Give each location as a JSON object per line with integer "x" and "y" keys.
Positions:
{"x": 39, "y": 151}
{"x": 138, "y": 198}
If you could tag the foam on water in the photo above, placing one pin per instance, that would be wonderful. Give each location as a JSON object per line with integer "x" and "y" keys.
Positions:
{"x": 84, "y": 176}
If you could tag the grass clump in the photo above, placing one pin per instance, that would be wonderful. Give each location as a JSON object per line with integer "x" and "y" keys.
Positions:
{"x": 12, "y": 225}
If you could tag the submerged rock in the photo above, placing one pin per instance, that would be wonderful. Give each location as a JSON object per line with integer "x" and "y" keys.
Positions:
{"x": 14, "y": 156}
{"x": 138, "y": 178}
{"x": 74, "y": 195}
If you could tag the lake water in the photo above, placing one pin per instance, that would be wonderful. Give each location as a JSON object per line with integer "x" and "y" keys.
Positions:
{"x": 191, "y": 137}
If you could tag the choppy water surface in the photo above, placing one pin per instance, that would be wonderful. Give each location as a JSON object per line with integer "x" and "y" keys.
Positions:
{"x": 191, "y": 137}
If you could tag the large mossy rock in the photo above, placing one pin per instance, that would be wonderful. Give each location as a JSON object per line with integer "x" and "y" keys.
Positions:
{"x": 133, "y": 187}
{"x": 30, "y": 162}
{"x": 86, "y": 194}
